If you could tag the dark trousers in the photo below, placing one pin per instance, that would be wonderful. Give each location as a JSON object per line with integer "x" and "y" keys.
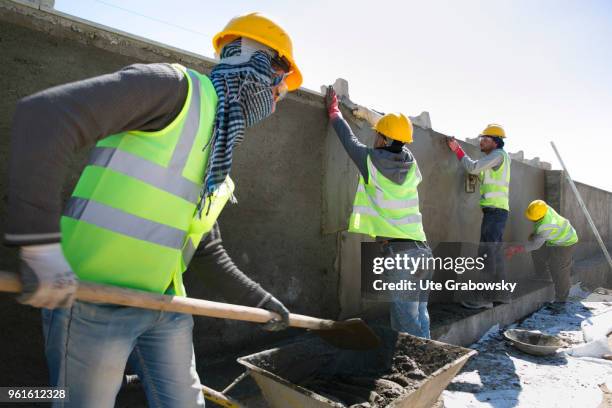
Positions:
{"x": 491, "y": 241}
{"x": 556, "y": 261}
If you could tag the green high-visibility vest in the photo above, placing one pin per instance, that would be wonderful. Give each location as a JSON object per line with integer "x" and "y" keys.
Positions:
{"x": 557, "y": 230}
{"x": 495, "y": 185}
{"x": 385, "y": 209}
{"x": 132, "y": 219}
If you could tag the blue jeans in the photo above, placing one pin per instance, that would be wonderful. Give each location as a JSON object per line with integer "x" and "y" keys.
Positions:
{"x": 411, "y": 316}
{"x": 88, "y": 345}
{"x": 491, "y": 238}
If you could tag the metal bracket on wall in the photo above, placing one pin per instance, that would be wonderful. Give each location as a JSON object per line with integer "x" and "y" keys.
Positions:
{"x": 470, "y": 183}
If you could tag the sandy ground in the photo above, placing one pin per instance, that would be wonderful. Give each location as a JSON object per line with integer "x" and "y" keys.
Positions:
{"x": 501, "y": 376}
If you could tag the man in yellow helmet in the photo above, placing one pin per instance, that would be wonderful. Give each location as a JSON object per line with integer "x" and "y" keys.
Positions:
{"x": 556, "y": 256}
{"x": 149, "y": 197}
{"x": 494, "y": 173}
{"x": 386, "y": 206}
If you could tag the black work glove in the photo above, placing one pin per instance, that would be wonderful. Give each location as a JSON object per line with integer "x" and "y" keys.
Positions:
{"x": 275, "y": 305}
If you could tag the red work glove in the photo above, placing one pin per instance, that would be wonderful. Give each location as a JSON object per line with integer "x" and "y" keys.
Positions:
{"x": 454, "y": 146}
{"x": 331, "y": 102}
{"x": 513, "y": 250}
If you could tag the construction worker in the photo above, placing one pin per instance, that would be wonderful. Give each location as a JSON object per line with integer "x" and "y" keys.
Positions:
{"x": 386, "y": 205}
{"x": 494, "y": 175}
{"x": 154, "y": 186}
{"x": 556, "y": 255}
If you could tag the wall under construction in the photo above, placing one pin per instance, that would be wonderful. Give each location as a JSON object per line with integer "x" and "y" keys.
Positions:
{"x": 295, "y": 186}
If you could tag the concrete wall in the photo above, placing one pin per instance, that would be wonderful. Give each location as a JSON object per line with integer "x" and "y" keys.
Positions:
{"x": 598, "y": 202}
{"x": 450, "y": 215}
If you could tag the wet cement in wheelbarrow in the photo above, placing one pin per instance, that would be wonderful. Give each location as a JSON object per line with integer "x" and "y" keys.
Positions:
{"x": 362, "y": 379}
{"x": 412, "y": 362}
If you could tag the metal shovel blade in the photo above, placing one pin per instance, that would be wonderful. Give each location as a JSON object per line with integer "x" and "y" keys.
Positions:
{"x": 351, "y": 334}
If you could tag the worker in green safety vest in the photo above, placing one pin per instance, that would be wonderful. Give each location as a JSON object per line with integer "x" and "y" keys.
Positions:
{"x": 493, "y": 171}
{"x": 146, "y": 203}
{"x": 386, "y": 207}
{"x": 556, "y": 256}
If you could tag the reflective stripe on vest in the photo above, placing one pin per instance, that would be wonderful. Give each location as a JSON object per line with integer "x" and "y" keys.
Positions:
{"x": 124, "y": 223}
{"x": 495, "y": 185}
{"x": 144, "y": 170}
{"x": 132, "y": 220}
{"x": 384, "y": 208}
{"x": 557, "y": 230}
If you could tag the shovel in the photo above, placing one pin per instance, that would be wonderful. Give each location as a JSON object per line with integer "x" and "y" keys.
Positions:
{"x": 348, "y": 334}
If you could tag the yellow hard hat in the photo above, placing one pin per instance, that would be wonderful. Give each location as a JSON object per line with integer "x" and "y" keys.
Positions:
{"x": 263, "y": 30}
{"x": 493, "y": 130}
{"x": 395, "y": 126}
{"x": 536, "y": 210}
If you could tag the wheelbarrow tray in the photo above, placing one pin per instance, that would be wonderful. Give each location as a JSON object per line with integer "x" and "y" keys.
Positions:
{"x": 281, "y": 372}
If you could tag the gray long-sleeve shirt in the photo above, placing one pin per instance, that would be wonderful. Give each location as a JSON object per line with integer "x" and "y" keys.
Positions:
{"x": 393, "y": 165}
{"x": 536, "y": 241}
{"x": 49, "y": 127}
{"x": 491, "y": 161}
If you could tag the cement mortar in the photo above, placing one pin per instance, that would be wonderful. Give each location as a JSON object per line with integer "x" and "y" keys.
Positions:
{"x": 373, "y": 378}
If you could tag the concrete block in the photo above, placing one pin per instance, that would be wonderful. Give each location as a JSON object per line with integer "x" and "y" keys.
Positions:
{"x": 423, "y": 120}
{"x": 518, "y": 156}
{"x": 341, "y": 87}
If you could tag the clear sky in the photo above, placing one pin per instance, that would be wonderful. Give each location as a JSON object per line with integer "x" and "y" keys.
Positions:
{"x": 542, "y": 69}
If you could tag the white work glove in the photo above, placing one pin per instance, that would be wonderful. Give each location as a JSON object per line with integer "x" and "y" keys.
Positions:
{"x": 47, "y": 279}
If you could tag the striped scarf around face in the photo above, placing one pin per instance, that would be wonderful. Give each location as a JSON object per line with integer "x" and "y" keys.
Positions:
{"x": 242, "y": 81}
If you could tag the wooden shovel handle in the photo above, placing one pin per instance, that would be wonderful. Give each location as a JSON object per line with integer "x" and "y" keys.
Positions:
{"x": 98, "y": 293}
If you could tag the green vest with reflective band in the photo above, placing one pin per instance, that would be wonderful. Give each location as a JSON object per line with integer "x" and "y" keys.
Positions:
{"x": 495, "y": 185}
{"x": 386, "y": 209}
{"x": 132, "y": 219}
{"x": 557, "y": 230}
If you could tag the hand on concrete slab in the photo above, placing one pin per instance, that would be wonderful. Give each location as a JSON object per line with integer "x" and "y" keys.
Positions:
{"x": 452, "y": 144}
{"x": 455, "y": 147}
{"x": 331, "y": 103}
{"x": 513, "y": 250}
{"x": 275, "y": 305}
{"x": 47, "y": 279}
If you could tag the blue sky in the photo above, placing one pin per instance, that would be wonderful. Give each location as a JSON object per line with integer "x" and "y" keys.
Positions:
{"x": 543, "y": 68}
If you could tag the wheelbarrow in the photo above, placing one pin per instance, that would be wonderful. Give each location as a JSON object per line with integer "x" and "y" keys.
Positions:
{"x": 313, "y": 374}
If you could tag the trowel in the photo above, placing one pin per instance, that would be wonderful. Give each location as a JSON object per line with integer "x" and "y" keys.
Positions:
{"x": 348, "y": 334}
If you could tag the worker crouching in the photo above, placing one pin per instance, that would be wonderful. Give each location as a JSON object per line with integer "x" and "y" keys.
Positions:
{"x": 551, "y": 245}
